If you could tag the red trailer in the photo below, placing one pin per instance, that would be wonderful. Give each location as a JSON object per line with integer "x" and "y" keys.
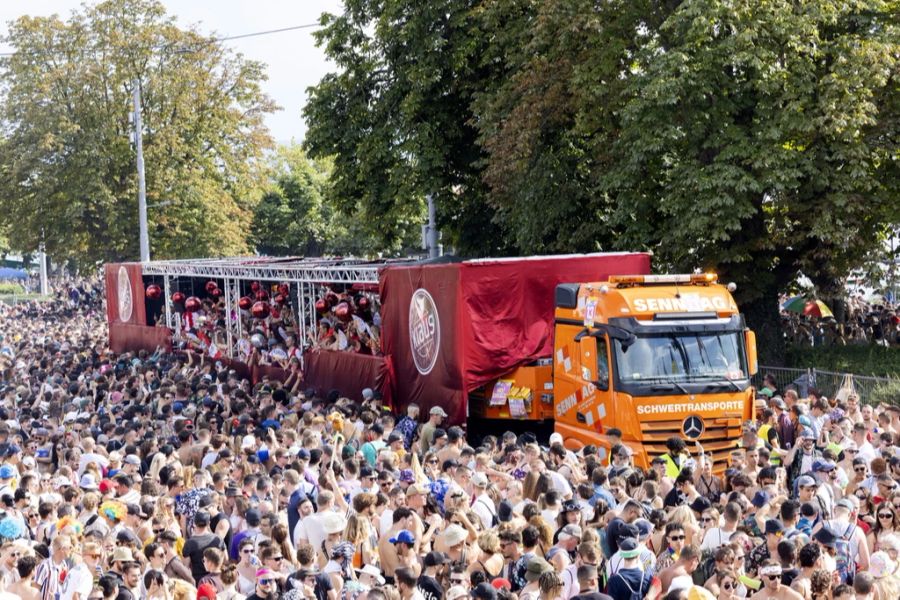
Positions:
{"x": 450, "y": 329}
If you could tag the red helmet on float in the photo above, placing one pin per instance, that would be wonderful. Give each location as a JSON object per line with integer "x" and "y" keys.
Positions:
{"x": 153, "y": 291}
{"x": 245, "y": 303}
{"x": 178, "y": 297}
{"x": 192, "y": 304}
{"x": 210, "y": 286}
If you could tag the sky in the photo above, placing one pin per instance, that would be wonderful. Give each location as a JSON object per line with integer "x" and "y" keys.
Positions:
{"x": 294, "y": 62}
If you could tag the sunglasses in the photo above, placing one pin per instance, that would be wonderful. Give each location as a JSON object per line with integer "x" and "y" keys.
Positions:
{"x": 707, "y": 519}
{"x": 676, "y": 538}
{"x": 727, "y": 586}
{"x": 266, "y": 581}
{"x": 851, "y": 451}
{"x": 885, "y": 515}
{"x": 859, "y": 469}
{"x": 773, "y": 577}
{"x": 277, "y": 558}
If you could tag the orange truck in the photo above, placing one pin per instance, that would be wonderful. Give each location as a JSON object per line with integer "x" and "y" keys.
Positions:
{"x": 654, "y": 356}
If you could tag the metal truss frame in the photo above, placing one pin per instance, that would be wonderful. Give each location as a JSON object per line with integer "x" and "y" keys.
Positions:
{"x": 311, "y": 271}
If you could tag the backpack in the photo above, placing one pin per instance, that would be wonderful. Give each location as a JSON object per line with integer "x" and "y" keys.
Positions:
{"x": 846, "y": 566}
{"x": 706, "y": 569}
{"x": 495, "y": 520}
{"x": 635, "y": 594}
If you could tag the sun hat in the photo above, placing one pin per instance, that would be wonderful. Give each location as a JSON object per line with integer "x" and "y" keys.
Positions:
{"x": 456, "y": 592}
{"x": 333, "y": 523}
{"x": 454, "y": 535}
{"x": 88, "y": 482}
{"x": 374, "y": 571}
{"x": 536, "y": 567}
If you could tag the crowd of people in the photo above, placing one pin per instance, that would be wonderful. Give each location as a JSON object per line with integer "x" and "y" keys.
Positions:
{"x": 167, "y": 476}
{"x": 867, "y": 321}
{"x": 269, "y": 330}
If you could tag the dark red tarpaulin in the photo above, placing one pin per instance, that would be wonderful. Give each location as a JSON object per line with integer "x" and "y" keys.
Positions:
{"x": 491, "y": 317}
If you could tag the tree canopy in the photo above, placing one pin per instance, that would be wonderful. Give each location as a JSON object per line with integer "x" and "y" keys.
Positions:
{"x": 758, "y": 139}
{"x": 66, "y": 154}
{"x": 294, "y": 218}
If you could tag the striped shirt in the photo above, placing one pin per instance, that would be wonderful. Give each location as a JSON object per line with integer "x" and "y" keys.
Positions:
{"x": 47, "y": 576}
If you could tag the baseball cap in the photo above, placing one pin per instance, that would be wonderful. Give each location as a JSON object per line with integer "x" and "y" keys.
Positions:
{"x": 7, "y": 472}
{"x": 644, "y": 527}
{"x": 484, "y": 591}
{"x": 404, "y": 536}
{"x": 774, "y": 526}
{"x": 132, "y": 459}
{"x": 437, "y": 410}
{"x": 433, "y": 559}
{"x": 479, "y": 480}
{"x": 571, "y": 530}
{"x": 761, "y": 498}
{"x": 806, "y": 481}
{"x": 826, "y": 536}
{"x": 456, "y": 592}
{"x": 505, "y": 511}
{"x": 700, "y": 504}
{"x": 202, "y": 518}
{"x": 628, "y": 548}
{"x": 253, "y": 517}
{"x": 807, "y": 434}
{"x": 822, "y": 466}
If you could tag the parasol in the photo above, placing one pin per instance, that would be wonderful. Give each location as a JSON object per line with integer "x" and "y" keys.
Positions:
{"x": 810, "y": 308}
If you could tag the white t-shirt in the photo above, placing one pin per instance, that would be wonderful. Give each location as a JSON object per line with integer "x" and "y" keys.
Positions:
{"x": 867, "y": 451}
{"x": 485, "y": 509}
{"x": 385, "y": 522}
{"x": 79, "y": 580}
{"x": 714, "y": 538}
{"x": 560, "y": 484}
{"x": 89, "y": 458}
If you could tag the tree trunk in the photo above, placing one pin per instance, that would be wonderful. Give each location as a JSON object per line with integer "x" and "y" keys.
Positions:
{"x": 763, "y": 318}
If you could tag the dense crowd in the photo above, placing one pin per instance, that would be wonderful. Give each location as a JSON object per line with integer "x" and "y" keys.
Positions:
{"x": 167, "y": 476}
{"x": 343, "y": 322}
{"x": 873, "y": 321}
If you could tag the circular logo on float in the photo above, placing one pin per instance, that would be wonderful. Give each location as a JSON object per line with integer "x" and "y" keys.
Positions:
{"x": 126, "y": 302}
{"x": 424, "y": 331}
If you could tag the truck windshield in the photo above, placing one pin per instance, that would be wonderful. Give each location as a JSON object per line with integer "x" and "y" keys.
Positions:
{"x": 681, "y": 357}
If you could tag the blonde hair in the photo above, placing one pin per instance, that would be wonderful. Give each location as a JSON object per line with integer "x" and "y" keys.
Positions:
{"x": 90, "y": 501}
{"x": 683, "y": 515}
{"x": 489, "y": 542}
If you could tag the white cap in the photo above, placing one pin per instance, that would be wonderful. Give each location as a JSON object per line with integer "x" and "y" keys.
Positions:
{"x": 479, "y": 480}
{"x": 249, "y": 441}
{"x": 556, "y": 438}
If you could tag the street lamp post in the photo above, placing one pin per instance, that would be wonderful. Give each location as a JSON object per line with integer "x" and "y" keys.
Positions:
{"x": 142, "y": 188}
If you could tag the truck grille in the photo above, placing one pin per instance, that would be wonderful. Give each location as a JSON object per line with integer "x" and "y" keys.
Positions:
{"x": 720, "y": 436}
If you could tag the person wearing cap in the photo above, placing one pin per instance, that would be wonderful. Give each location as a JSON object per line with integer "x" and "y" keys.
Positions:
{"x": 435, "y": 416}
{"x": 774, "y": 532}
{"x": 428, "y": 582}
{"x": 266, "y": 586}
{"x": 844, "y": 525}
{"x": 770, "y": 573}
{"x": 630, "y": 581}
{"x": 483, "y": 506}
{"x": 800, "y": 459}
{"x": 534, "y": 569}
{"x": 560, "y": 554}
{"x": 824, "y": 472}
{"x": 616, "y": 561}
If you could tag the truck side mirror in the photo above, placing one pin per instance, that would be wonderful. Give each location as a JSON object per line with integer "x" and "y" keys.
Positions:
{"x": 752, "y": 359}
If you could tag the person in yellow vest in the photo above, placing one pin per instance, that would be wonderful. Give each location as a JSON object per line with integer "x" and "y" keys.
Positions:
{"x": 676, "y": 457}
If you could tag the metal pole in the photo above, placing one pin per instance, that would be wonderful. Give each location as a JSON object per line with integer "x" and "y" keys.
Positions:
{"x": 142, "y": 188}
{"x": 432, "y": 237}
{"x": 45, "y": 284}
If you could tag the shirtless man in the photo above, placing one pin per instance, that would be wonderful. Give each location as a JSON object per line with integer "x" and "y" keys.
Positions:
{"x": 24, "y": 587}
{"x": 773, "y": 589}
{"x": 388, "y": 553}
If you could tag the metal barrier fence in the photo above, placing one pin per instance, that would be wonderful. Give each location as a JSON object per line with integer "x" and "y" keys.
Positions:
{"x": 827, "y": 382}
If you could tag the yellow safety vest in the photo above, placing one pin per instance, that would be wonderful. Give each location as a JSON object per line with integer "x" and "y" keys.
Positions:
{"x": 672, "y": 468}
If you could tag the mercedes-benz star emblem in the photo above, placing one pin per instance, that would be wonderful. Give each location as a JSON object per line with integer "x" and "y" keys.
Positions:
{"x": 692, "y": 427}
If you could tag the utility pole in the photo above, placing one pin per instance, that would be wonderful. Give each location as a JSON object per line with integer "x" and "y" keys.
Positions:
{"x": 431, "y": 237}
{"x": 142, "y": 187}
{"x": 45, "y": 284}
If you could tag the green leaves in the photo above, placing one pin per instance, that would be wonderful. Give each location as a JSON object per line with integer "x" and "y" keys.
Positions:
{"x": 68, "y": 167}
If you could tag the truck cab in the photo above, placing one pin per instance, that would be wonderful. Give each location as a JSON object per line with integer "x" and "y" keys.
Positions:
{"x": 654, "y": 356}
